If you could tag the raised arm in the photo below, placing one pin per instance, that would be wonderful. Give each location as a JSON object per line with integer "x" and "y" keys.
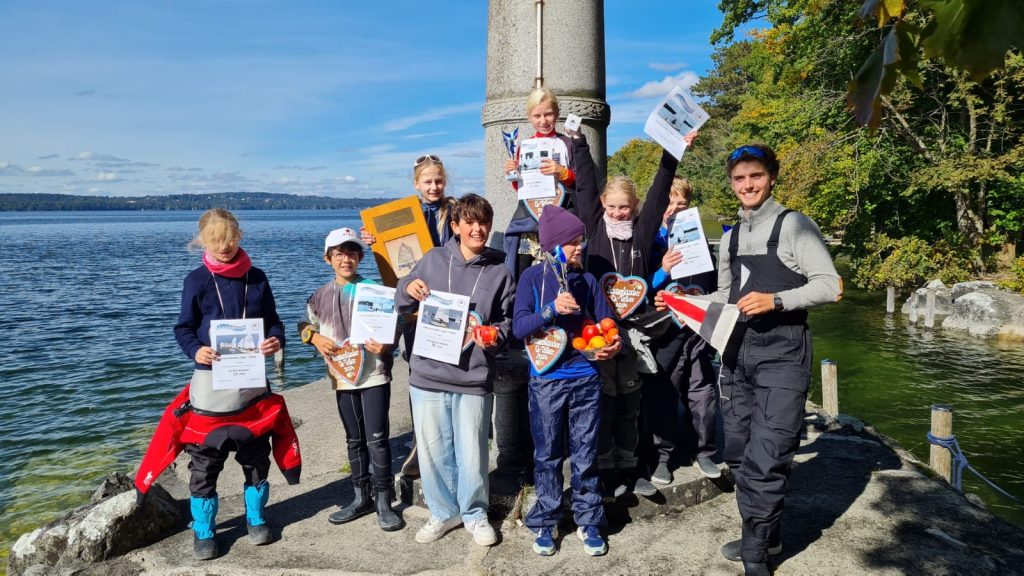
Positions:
{"x": 588, "y": 197}
{"x": 657, "y": 200}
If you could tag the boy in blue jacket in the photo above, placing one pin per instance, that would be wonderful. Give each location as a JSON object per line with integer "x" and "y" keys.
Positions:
{"x": 567, "y": 390}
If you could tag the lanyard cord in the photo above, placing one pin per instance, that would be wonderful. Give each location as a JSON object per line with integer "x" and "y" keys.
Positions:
{"x": 245, "y": 296}
{"x": 451, "y": 259}
{"x": 615, "y": 259}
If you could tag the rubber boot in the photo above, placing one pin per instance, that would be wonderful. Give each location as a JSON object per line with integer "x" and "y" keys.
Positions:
{"x": 204, "y": 527}
{"x": 387, "y": 519}
{"x": 255, "y": 519}
{"x": 361, "y": 505}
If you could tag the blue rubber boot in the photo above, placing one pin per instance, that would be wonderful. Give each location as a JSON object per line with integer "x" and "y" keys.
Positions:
{"x": 204, "y": 527}
{"x": 255, "y": 520}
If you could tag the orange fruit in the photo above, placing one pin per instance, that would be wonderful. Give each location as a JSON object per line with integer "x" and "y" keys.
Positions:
{"x": 579, "y": 343}
{"x": 611, "y": 334}
{"x": 607, "y": 324}
{"x": 598, "y": 342}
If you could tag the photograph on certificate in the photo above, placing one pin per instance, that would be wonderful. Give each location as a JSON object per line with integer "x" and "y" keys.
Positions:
{"x": 440, "y": 326}
{"x": 675, "y": 117}
{"x": 373, "y": 315}
{"x": 532, "y": 183}
{"x": 686, "y": 235}
{"x": 403, "y": 253}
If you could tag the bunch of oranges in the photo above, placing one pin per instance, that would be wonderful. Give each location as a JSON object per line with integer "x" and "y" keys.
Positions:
{"x": 596, "y": 335}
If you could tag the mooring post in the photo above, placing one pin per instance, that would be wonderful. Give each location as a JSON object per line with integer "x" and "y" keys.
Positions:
{"x": 830, "y": 387}
{"x": 929, "y": 309}
{"x": 913, "y": 309}
{"x": 939, "y": 458}
{"x": 890, "y": 300}
{"x": 279, "y": 361}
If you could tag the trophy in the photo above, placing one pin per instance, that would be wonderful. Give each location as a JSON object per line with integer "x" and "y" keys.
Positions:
{"x": 511, "y": 145}
{"x": 560, "y": 262}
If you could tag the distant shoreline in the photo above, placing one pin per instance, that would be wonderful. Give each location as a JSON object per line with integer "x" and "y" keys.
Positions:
{"x": 230, "y": 200}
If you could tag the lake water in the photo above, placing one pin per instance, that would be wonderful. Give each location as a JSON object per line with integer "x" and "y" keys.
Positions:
{"x": 88, "y": 301}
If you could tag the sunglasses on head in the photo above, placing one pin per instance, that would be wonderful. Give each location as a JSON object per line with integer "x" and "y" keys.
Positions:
{"x": 427, "y": 157}
{"x": 749, "y": 151}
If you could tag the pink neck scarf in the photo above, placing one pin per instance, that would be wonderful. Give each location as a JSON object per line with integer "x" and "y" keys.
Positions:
{"x": 618, "y": 229}
{"x": 234, "y": 269}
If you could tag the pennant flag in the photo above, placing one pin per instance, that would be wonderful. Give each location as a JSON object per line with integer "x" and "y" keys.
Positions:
{"x": 714, "y": 322}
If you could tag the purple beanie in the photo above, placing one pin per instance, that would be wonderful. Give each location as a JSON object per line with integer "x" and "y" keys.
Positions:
{"x": 558, "y": 226}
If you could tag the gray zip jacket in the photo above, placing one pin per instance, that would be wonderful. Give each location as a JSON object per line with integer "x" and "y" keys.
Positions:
{"x": 445, "y": 269}
{"x": 801, "y": 249}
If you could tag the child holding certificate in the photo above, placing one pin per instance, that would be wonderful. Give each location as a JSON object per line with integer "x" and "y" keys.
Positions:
{"x": 553, "y": 301}
{"x": 452, "y": 397}
{"x": 226, "y": 286}
{"x": 361, "y": 377}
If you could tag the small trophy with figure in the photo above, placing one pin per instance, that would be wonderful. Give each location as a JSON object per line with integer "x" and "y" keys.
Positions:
{"x": 511, "y": 145}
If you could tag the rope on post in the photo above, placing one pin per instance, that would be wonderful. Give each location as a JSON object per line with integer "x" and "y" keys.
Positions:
{"x": 960, "y": 462}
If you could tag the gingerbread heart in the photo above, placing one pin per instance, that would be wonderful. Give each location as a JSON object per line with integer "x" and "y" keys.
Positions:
{"x": 536, "y": 205}
{"x": 347, "y": 363}
{"x": 624, "y": 293}
{"x": 545, "y": 346}
{"x": 472, "y": 321}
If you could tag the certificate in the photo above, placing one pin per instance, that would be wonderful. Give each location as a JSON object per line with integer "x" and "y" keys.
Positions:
{"x": 686, "y": 235}
{"x": 440, "y": 327}
{"x": 373, "y": 314}
{"x": 533, "y": 184}
{"x": 240, "y": 365}
{"x": 677, "y": 115}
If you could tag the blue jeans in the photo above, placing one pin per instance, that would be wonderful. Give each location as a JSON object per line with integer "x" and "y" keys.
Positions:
{"x": 451, "y": 441}
{"x": 553, "y": 403}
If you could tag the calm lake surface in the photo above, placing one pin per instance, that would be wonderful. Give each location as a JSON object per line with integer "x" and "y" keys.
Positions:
{"x": 88, "y": 301}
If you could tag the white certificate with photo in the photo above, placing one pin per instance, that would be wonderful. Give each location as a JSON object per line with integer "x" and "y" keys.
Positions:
{"x": 532, "y": 183}
{"x": 674, "y": 117}
{"x": 373, "y": 314}
{"x": 686, "y": 235}
{"x": 240, "y": 365}
{"x": 441, "y": 326}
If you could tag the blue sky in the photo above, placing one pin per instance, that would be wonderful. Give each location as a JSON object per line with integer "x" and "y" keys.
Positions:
{"x": 336, "y": 98}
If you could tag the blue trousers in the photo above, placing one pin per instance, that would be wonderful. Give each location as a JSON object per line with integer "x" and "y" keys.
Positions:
{"x": 554, "y": 402}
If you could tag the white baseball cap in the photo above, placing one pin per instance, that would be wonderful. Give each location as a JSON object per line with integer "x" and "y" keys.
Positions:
{"x": 341, "y": 236}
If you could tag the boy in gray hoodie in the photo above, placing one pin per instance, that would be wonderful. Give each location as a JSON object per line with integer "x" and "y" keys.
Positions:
{"x": 452, "y": 403}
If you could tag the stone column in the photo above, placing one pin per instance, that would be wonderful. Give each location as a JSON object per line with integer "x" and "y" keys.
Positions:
{"x": 573, "y": 61}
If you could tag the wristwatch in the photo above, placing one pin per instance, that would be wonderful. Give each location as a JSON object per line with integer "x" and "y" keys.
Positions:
{"x": 307, "y": 334}
{"x": 777, "y": 300}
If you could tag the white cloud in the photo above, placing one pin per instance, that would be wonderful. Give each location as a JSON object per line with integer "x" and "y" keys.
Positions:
{"x": 430, "y": 116}
{"x": 660, "y": 88}
{"x": 89, "y": 155}
{"x": 8, "y": 169}
{"x": 666, "y": 67}
{"x": 348, "y": 179}
{"x": 424, "y": 135}
{"x": 108, "y": 177}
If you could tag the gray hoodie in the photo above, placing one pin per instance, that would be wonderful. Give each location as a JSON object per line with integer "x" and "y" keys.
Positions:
{"x": 801, "y": 249}
{"x": 446, "y": 270}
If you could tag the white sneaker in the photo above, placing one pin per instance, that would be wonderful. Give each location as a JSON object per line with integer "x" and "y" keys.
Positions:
{"x": 483, "y": 533}
{"x": 435, "y": 528}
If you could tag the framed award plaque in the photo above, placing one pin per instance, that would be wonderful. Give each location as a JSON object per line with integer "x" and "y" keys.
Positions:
{"x": 402, "y": 237}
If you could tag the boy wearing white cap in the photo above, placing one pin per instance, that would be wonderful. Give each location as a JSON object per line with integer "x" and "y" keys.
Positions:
{"x": 363, "y": 400}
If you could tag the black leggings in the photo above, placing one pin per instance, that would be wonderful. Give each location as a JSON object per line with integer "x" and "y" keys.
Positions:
{"x": 364, "y": 414}
{"x": 208, "y": 461}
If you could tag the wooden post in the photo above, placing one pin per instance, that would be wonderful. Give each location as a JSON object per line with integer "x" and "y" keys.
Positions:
{"x": 890, "y": 300}
{"x": 830, "y": 388}
{"x": 279, "y": 361}
{"x": 929, "y": 309}
{"x": 939, "y": 458}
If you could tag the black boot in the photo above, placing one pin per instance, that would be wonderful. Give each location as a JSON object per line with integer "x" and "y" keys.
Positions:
{"x": 387, "y": 519}
{"x": 361, "y": 505}
{"x": 731, "y": 550}
{"x": 756, "y": 569}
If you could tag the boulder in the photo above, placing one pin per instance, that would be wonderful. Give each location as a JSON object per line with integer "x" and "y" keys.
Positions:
{"x": 943, "y": 300}
{"x": 109, "y": 527}
{"x": 983, "y": 309}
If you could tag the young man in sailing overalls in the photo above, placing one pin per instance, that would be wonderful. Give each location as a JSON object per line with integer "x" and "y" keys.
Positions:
{"x": 773, "y": 265}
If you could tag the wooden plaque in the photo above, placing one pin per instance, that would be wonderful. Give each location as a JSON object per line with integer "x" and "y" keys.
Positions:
{"x": 402, "y": 237}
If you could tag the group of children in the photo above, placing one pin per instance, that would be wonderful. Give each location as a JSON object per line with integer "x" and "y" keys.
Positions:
{"x": 595, "y": 406}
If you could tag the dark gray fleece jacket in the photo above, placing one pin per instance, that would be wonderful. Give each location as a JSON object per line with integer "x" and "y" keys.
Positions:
{"x": 445, "y": 269}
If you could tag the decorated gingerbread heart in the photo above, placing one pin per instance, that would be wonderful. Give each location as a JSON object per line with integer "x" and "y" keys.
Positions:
{"x": 347, "y": 363}
{"x": 536, "y": 205}
{"x": 545, "y": 346}
{"x": 472, "y": 321}
{"x": 624, "y": 293}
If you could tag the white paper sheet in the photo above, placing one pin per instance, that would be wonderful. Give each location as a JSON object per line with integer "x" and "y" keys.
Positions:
{"x": 686, "y": 235}
{"x": 440, "y": 326}
{"x": 533, "y": 184}
{"x": 373, "y": 314}
{"x": 241, "y": 365}
{"x": 674, "y": 117}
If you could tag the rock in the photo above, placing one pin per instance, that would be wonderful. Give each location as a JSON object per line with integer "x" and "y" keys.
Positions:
{"x": 976, "y": 500}
{"x": 943, "y": 300}
{"x": 853, "y": 422}
{"x": 112, "y": 485}
{"x": 97, "y": 531}
{"x": 983, "y": 309}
